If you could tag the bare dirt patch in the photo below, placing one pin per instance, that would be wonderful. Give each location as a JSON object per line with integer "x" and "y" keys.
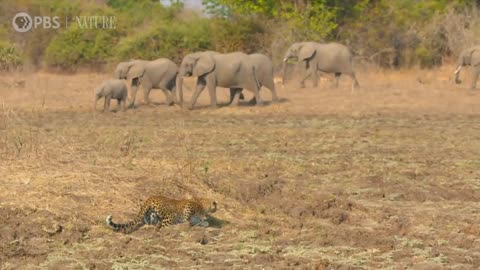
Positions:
{"x": 386, "y": 177}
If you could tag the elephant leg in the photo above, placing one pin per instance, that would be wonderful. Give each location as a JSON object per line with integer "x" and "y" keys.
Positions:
{"x": 256, "y": 99}
{"x": 232, "y": 95}
{"x": 355, "y": 81}
{"x": 271, "y": 87}
{"x": 135, "y": 84}
{"x": 173, "y": 92}
{"x": 124, "y": 105}
{"x": 201, "y": 83}
{"x": 106, "y": 105}
{"x": 309, "y": 72}
{"x": 337, "y": 78}
{"x": 233, "y": 92}
{"x": 168, "y": 97}
{"x": 252, "y": 101}
{"x": 212, "y": 91}
{"x": 316, "y": 76}
{"x": 119, "y": 105}
{"x": 147, "y": 87}
{"x": 235, "y": 96}
{"x": 475, "y": 74}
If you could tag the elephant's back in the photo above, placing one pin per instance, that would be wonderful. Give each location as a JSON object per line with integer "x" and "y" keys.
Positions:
{"x": 337, "y": 47}
{"x": 162, "y": 67}
{"x": 163, "y": 61}
{"x": 232, "y": 61}
{"x": 116, "y": 84}
{"x": 338, "y": 51}
{"x": 263, "y": 66}
{"x": 260, "y": 58}
{"x": 232, "y": 55}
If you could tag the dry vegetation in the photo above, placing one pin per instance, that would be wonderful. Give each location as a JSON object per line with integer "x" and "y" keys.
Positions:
{"x": 385, "y": 178}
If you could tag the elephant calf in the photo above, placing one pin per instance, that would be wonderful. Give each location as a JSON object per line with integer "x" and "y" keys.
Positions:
{"x": 113, "y": 88}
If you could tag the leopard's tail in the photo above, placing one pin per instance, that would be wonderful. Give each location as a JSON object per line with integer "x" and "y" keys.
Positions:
{"x": 125, "y": 227}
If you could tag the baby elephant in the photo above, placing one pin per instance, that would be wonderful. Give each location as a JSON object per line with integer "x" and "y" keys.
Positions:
{"x": 113, "y": 88}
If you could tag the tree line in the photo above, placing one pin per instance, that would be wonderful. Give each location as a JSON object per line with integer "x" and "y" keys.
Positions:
{"x": 387, "y": 33}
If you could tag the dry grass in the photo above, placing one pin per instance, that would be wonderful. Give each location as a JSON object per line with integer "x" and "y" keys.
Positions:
{"x": 386, "y": 177}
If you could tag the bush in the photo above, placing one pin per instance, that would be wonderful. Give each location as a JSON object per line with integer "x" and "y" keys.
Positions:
{"x": 389, "y": 33}
{"x": 10, "y": 57}
{"x": 34, "y": 43}
{"x": 135, "y": 13}
{"x": 166, "y": 40}
{"x": 80, "y": 47}
{"x": 237, "y": 34}
{"x": 77, "y": 46}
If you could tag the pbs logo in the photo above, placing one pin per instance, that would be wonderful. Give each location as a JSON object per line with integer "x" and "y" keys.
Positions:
{"x": 22, "y": 22}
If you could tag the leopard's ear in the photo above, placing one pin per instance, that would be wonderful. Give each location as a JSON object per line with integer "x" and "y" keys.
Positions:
{"x": 214, "y": 206}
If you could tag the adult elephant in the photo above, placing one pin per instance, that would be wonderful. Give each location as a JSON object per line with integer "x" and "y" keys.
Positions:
{"x": 469, "y": 57}
{"x": 321, "y": 57}
{"x": 157, "y": 74}
{"x": 230, "y": 70}
{"x": 264, "y": 73}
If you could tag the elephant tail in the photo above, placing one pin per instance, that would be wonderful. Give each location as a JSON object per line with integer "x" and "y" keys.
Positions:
{"x": 256, "y": 78}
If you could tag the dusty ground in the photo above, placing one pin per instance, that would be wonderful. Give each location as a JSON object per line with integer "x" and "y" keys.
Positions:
{"x": 385, "y": 178}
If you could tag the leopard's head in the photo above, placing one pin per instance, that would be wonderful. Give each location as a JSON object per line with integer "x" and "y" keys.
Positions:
{"x": 210, "y": 206}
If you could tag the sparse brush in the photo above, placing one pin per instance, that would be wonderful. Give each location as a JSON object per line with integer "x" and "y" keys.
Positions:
{"x": 19, "y": 143}
{"x": 127, "y": 147}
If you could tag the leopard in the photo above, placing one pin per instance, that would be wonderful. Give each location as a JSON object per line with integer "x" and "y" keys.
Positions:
{"x": 162, "y": 211}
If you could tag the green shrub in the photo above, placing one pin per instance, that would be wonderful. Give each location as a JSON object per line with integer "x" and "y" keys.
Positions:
{"x": 236, "y": 34}
{"x": 79, "y": 47}
{"x": 166, "y": 40}
{"x": 10, "y": 57}
{"x": 76, "y": 46}
{"x": 135, "y": 13}
{"x": 395, "y": 33}
{"x": 424, "y": 56}
{"x": 37, "y": 40}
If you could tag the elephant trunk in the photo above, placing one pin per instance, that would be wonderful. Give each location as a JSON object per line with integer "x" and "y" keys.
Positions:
{"x": 133, "y": 97}
{"x": 180, "y": 89}
{"x": 284, "y": 70}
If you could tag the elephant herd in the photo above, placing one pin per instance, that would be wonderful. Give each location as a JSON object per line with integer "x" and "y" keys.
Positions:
{"x": 238, "y": 71}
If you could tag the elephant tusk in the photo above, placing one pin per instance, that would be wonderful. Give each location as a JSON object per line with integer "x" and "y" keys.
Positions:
{"x": 285, "y": 59}
{"x": 457, "y": 70}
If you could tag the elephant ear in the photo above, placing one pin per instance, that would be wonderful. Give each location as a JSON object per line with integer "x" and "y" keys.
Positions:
{"x": 306, "y": 51}
{"x": 203, "y": 65}
{"x": 475, "y": 57}
{"x": 136, "y": 71}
